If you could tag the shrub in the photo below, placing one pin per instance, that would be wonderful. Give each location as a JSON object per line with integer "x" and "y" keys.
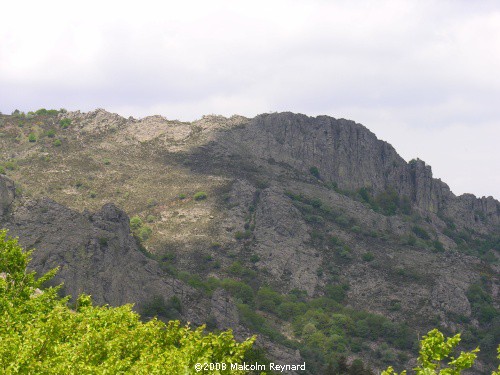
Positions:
{"x": 236, "y": 268}
{"x": 315, "y": 202}
{"x": 10, "y": 165}
{"x": 388, "y": 201}
{"x": 238, "y": 290}
{"x": 334, "y": 241}
{"x": 356, "y": 229}
{"x": 46, "y": 112}
{"x": 92, "y": 194}
{"x": 57, "y": 143}
{"x": 200, "y": 196}
{"x": 411, "y": 240}
{"x": 182, "y": 196}
{"x": 368, "y": 257}
{"x": 315, "y": 172}
{"x": 145, "y": 233}
{"x": 345, "y": 252}
{"x": 267, "y": 299}
{"x": 51, "y": 133}
{"x": 262, "y": 184}
{"x": 152, "y": 202}
{"x": 2, "y": 170}
{"x": 135, "y": 222}
{"x": 482, "y": 303}
{"x": 65, "y": 123}
{"x": 32, "y": 137}
{"x": 157, "y": 306}
{"x": 106, "y": 162}
{"x": 243, "y": 235}
{"x": 150, "y": 218}
{"x": 366, "y": 195}
{"x": 421, "y": 233}
{"x": 438, "y": 246}
{"x": 314, "y": 219}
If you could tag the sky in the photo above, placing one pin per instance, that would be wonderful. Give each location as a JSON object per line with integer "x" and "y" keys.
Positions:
{"x": 422, "y": 75}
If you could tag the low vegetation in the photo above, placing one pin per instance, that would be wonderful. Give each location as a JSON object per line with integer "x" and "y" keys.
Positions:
{"x": 199, "y": 196}
{"x": 143, "y": 232}
{"x": 65, "y": 123}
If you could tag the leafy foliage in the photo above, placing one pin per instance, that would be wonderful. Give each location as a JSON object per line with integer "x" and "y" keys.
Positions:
{"x": 434, "y": 351}
{"x": 46, "y": 112}
{"x": 497, "y": 372}
{"x": 40, "y": 334}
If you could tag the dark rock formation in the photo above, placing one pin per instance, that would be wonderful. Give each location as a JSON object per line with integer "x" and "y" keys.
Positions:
{"x": 7, "y": 194}
{"x": 351, "y": 156}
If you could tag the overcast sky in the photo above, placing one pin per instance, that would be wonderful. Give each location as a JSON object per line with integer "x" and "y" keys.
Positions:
{"x": 422, "y": 75}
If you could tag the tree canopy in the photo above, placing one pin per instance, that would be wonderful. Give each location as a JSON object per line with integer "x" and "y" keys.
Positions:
{"x": 41, "y": 334}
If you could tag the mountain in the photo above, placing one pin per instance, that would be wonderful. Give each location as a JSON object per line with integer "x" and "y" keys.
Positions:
{"x": 308, "y": 231}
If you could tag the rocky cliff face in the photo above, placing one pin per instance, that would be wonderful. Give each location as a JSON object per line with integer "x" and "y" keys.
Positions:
{"x": 348, "y": 154}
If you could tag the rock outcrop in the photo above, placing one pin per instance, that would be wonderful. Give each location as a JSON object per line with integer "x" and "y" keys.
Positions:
{"x": 348, "y": 154}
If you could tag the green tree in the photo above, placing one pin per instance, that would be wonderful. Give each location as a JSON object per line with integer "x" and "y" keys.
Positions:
{"x": 497, "y": 372}
{"x": 435, "y": 356}
{"x": 40, "y": 334}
